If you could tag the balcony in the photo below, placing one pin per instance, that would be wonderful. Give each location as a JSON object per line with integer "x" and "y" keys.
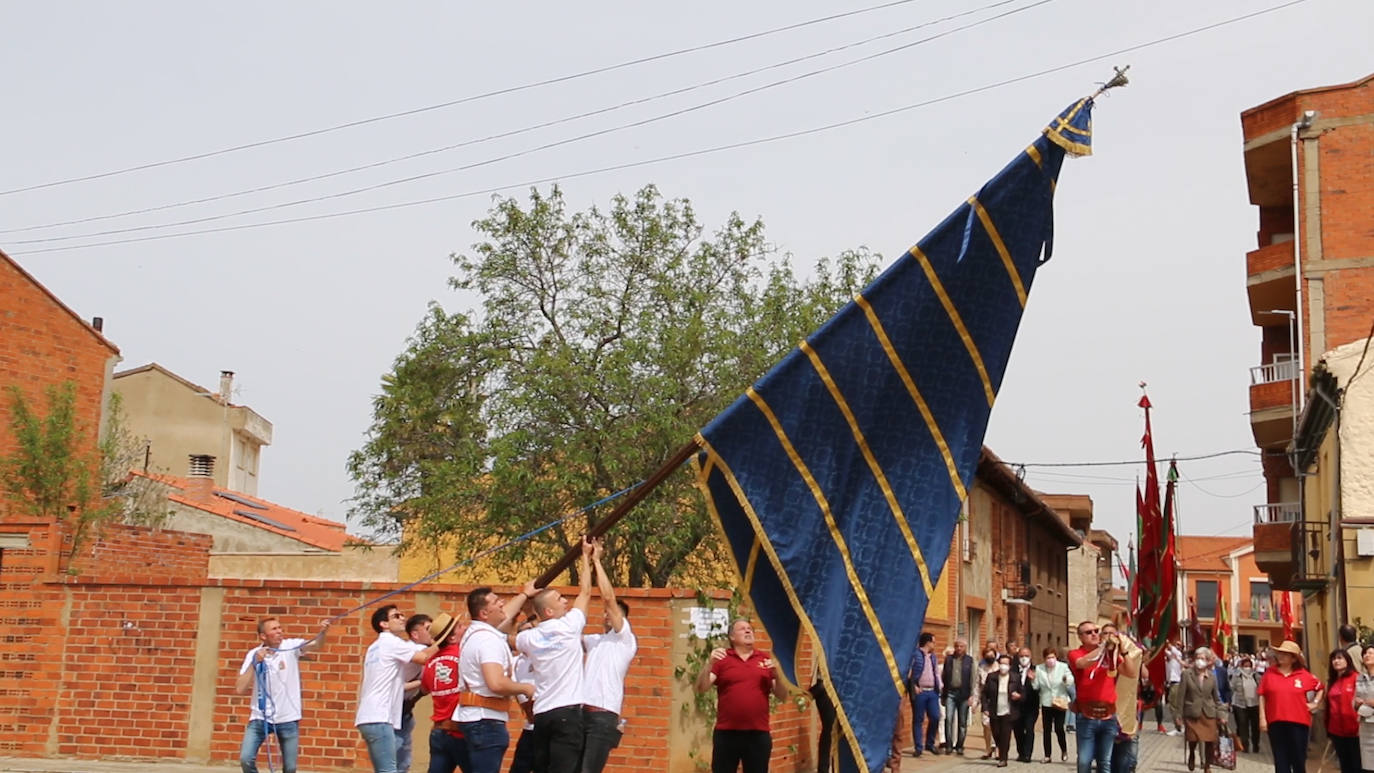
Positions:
{"x": 1278, "y": 512}
{"x": 1292, "y": 552}
{"x": 1269, "y": 280}
{"x": 1271, "y": 401}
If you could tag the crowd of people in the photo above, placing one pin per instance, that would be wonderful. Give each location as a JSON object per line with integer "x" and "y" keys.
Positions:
{"x": 525, "y": 653}
{"x": 1099, "y": 693}
{"x": 528, "y": 653}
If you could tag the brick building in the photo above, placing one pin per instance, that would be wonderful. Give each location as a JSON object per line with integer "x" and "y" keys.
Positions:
{"x": 1310, "y": 284}
{"x": 1226, "y": 565}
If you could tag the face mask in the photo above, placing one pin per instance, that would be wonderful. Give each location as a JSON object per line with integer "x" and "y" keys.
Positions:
{"x": 988, "y": 659}
{"x": 1004, "y": 667}
{"x": 1025, "y": 662}
{"x": 1200, "y": 663}
{"x": 1051, "y": 662}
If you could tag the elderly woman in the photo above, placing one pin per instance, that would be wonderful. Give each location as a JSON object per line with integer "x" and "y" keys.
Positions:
{"x": 1245, "y": 703}
{"x": 1053, "y": 681}
{"x": 1002, "y": 692}
{"x": 1364, "y": 706}
{"x": 1197, "y": 699}
{"x": 1289, "y": 693}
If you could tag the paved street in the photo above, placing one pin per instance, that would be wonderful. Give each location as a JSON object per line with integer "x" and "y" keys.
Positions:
{"x": 1158, "y": 754}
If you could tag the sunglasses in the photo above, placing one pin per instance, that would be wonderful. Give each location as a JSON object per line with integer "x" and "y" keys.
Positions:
{"x": 1088, "y": 632}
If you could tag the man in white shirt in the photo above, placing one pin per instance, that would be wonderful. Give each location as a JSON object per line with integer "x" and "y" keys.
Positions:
{"x": 554, "y": 648}
{"x": 274, "y": 665}
{"x": 484, "y": 672}
{"x": 383, "y": 689}
{"x": 417, "y": 630}
{"x": 603, "y": 677}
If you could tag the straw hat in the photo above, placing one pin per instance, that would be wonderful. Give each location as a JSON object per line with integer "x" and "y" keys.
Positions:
{"x": 442, "y": 625}
{"x": 1291, "y": 647}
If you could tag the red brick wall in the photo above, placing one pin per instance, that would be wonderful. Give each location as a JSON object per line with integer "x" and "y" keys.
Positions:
{"x": 42, "y": 344}
{"x": 125, "y": 660}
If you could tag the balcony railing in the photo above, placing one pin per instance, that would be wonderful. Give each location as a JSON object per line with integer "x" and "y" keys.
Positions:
{"x": 1281, "y": 370}
{"x": 1278, "y": 512}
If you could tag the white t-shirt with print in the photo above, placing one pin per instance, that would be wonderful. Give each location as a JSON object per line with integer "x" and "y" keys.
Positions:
{"x": 481, "y": 644}
{"x": 554, "y": 648}
{"x": 383, "y": 689}
{"x": 608, "y": 659}
{"x": 283, "y": 682}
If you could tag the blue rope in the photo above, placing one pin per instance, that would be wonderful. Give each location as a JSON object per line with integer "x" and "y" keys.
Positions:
{"x": 261, "y": 668}
{"x": 465, "y": 562}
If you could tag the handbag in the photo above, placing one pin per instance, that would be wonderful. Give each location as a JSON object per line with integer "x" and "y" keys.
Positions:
{"x": 1060, "y": 702}
{"x": 1224, "y": 750}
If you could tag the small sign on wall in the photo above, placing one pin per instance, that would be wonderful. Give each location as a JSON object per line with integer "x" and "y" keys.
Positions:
{"x": 708, "y": 621}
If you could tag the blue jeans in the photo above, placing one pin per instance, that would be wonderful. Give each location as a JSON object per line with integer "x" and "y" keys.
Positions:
{"x": 1095, "y": 740}
{"x": 956, "y": 722}
{"x": 487, "y": 741}
{"x": 380, "y": 738}
{"x": 403, "y": 743}
{"x": 925, "y": 716}
{"x": 288, "y": 739}
{"x": 447, "y": 753}
{"x": 1124, "y": 754}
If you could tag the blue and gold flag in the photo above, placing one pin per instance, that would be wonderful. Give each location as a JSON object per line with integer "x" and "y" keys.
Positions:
{"x": 838, "y": 478}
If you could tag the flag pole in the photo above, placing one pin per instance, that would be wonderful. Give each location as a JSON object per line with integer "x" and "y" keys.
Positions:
{"x": 633, "y": 498}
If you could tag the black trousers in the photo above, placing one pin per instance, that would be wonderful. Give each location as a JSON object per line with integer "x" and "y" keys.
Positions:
{"x": 523, "y": 760}
{"x": 732, "y": 748}
{"x": 1247, "y": 727}
{"x": 1288, "y": 742}
{"x": 1001, "y": 733}
{"x": 825, "y": 710}
{"x": 1054, "y": 718}
{"x": 602, "y": 733}
{"x": 1024, "y": 730}
{"x": 1348, "y": 752}
{"x": 558, "y": 740}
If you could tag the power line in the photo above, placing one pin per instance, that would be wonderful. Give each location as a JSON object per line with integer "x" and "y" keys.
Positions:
{"x": 699, "y": 152}
{"x": 500, "y": 135}
{"x": 1133, "y": 462}
{"x": 546, "y": 146}
{"x": 459, "y": 101}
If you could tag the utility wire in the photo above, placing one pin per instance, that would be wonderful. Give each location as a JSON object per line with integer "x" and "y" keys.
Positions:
{"x": 546, "y": 146}
{"x": 505, "y": 134}
{"x": 1234, "y": 451}
{"x": 459, "y": 101}
{"x": 695, "y": 153}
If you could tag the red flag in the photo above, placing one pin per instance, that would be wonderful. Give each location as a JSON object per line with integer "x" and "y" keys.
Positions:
{"x": 1286, "y": 614}
{"x": 1221, "y": 632}
{"x": 1195, "y": 636}
{"x": 1166, "y": 605}
{"x": 1148, "y": 520}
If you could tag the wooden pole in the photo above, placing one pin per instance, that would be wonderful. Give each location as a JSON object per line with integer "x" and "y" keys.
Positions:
{"x": 626, "y": 504}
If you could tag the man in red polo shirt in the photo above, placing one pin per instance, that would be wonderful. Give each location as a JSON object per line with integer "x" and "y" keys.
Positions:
{"x": 743, "y": 677}
{"x": 1096, "y": 664}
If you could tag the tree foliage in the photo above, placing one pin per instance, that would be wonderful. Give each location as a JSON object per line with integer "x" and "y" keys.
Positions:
{"x": 604, "y": 340}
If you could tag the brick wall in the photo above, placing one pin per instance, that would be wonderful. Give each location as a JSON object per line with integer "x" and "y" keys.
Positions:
{"x": 43, "y": 344}
{"x": 140, "y": 643}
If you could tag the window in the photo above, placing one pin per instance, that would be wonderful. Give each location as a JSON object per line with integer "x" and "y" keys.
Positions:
{"x": 1206, "y": 598}
{"x": 1261, "y": 601}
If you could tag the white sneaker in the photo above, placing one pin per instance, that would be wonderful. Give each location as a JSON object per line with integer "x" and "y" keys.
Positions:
{"x": 1172, "y": 733}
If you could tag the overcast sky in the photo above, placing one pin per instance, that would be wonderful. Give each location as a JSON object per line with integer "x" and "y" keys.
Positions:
{"x": 1147, "y": 281}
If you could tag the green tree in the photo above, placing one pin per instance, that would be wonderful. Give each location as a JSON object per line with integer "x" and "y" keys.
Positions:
{"x": 603, "y": 342}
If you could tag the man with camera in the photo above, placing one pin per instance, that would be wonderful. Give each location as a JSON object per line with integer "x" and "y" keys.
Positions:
{"x": 1096, "y": 664}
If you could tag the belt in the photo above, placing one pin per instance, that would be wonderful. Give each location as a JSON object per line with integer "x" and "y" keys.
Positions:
{"x": 589, "y": 707}
{"x": 448, "y": 726}
{"x": 501, "y": 703}
{"x": 1096, "y": 709}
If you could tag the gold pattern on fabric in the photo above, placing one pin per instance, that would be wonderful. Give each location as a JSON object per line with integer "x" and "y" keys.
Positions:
{"x": 824, "y": 504}
{"x": 873, "y": 466}
{"x": 986, "y": 219}
{"x": 956, "y": 320}
{"x": 916, "y": 395}
{"x": 749, "y": 567}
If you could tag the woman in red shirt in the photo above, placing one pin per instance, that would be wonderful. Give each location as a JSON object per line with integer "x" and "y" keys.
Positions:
{"x": 1342, "y": 724}
{"x": 1289, "y": 693}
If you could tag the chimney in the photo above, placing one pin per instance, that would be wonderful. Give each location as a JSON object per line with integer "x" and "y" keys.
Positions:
{"x": 201, "y": 477}
{"x": 98, "y": 323}
{"x": 226, "y": 385}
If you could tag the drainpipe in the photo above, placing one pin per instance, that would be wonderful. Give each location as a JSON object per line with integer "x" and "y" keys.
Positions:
{"x": 1306, "y": 122}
